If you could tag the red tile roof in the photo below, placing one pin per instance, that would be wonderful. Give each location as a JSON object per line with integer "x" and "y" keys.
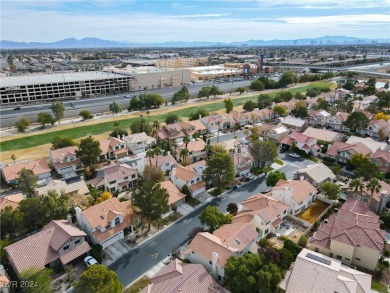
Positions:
{"x": 12, "y": 200}
{"x": 38, "y": 167}
{"x": 301, "y": 189}
{"x": 379, "y": 154}
{"x": 332, "y": 150}
{"x": 174, "y": 194}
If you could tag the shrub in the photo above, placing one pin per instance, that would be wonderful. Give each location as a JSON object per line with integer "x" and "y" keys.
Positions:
{"x": 328, "y": 159}
{"x": 96, "y": 252}
{"x": 264, "y": 242}
{"x": 302, "y": 241}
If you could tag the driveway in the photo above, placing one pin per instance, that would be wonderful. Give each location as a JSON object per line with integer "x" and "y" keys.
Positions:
{"x": 117, "y": 250}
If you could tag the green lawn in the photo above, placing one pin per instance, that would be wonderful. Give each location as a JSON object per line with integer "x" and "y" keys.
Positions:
{"x": 138, "y": 286}
{"x": 378, "y": 286}
{"x": 99, "y": 128}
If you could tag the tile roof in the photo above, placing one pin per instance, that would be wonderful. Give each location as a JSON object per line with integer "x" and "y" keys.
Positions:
{"x": 309, "y": 275}
{"x": 185, "y": 173}
{"x": 108, "y": 145}
{"x": 12, "y": 200}
{"x": 197, "y": 186}
{"x": 161, "y": 160}
{"x": 174, "y": 194}
{"x": 74, "y": 253}
{"x": 193, "y": 146}
{"x": 179, "y": 277}
{"x": 379, "y": 154}
{"x": 41, "y": 248}
{"x": 58, "y": 185}
{"x": 115, "y": 172}
{"x": 170, "y": 131}
{"x": 38, "y": 167}
{"x": 342, "y": 116}
{"x": 357, "y": 147}
{"x": 332, "y": 150}
{"x": 301, "y": 189}
{"x": 59, "y": 155}
{"x": 238, "y": 158}
{"x": 136, "y": 137}
{"x": 197, "y": 124}
{"x": 292, "y": 121}
{"x": 381, "y": 122}
{"x": 376, "y": 195}
{"x": 354, "y": 224}
{"x": 368, "y": 142}
{"x": 318, "y": 172}
{"x": 321, "y": 134}
{"x": 237, "y": 235}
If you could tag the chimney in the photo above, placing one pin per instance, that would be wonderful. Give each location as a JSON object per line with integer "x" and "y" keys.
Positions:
{"x": 81, "y": 177}
{"x": 200, "y": 116}
{"x": 69, "y": 217}
{"x": 78, "y": 216}
{"x": 214, "y": 260}
{"x": 301, "y": 178}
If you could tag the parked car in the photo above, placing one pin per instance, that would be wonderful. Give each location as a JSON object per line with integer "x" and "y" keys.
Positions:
{"x": 89, "y": 261}
{"x": 249, "y": 176}
{"x": 294, "y": 155}
{"x": 283, "y": 150}
{"x": 17, "y": 108}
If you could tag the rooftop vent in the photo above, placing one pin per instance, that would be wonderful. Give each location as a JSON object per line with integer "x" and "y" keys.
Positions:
{"x": 237, "y": 241}
{"x": 318, "y": 258}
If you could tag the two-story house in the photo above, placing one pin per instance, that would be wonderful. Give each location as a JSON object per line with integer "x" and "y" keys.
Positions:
{"x": 337, "y": 121}
{"x": 105, "y": 222}
{"x": 112, "y": 148}
{"x": 115, "y": 178}
{"x": 196, "y": 150}
{"x": 316, "y": 174}
{"x": 343, "y": 152}
{"x": 263, "y": 213}
{"x": 58, "y": 243}
{"x": 302, "y": 142}
{"x": 319, "y": 117}
{"x": 382, "y": 160}
{"x": 11, "y": 200}
{"x": 240, "y": 118}
{"x": 242, "y": 160}
{"x": 276, "y": 133}
{"x": 165, "y": 163}
{"x": 296, "y": 124}
{"x": 375, "y": 127}
{"x": 72, "y": 189}
{"x": 176, "y": 197}
{"x": 191, "y": 176}
{"x": 216, "y": 121}
{"x": 297, "y": 194}
{"x": 139, "y": 142}
{"x": 40, "y": 168}
{"x": 65, "y": 161}
{"x": 172, "y": 132}
{"x": 192, "y": 127}
{"x": 213, "y": 250}
{"x": 353, "y": 236}
{"x": 259, "y": 115}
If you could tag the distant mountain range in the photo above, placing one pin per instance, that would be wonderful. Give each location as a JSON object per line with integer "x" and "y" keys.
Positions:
{"x": 99, "y": 43}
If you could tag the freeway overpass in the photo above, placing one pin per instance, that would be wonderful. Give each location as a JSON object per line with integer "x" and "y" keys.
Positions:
{"x": 318, "y": 68}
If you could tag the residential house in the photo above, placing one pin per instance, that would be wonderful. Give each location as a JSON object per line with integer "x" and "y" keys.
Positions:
{"x": 263, "y": 213}
{"x": 165, "y": 163}
{"x": 183, "y": 277}
{"x": 213, "y": 250}
{"x": 139, "y": 142}
{"x": 65, "y": 161}
{"x": 276, "y": 133}
{"x": 115, "y": 178}
{"x": 382, "y": 160}
{"x": 289, "y": 106}
{"x": 297, "y": 194}
{"x": 58, "y": 243}
{"x": 353, "y": 236}
{"x": 40, "y": 168}
{"x": 105, "y": 222}
{"x": 72, "y": 189}
{"x": 337, "y": 121}
{"x": 318, "y": 117}
{"x": 369, "y": 142}
{"x": 302, "y": 142}
{"x": 341, "y": 93}
{"x": 344, "y": 152}
{"x": 376, "y": 201}
{"x": 375, "y": 127}
{"x": 216, "y": 122}
{"x": 172, "y": 132}
{"x": 323, "y": 134}
{"x": 192, "y": 127}
{"x": 137, "y": 162}
{"x": 259, "y": 115}
{"x": 191, "y": 176}
{"x": 316, "y": 174}
{"x": 176, "y": 197}
{"x": 315, "y": 272}
{"x": 242, "y": 161}
{"x": 196, "y": 150}
{"x": 11, "y": 200}
{"x": 296, "y": 124}
{"x": 112, "y": 148}
{"x": 240, "y": 118}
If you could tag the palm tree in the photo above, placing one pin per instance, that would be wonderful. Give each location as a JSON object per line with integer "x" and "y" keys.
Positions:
{"x": 155, "y": 126}
{"x": 186, "y": 140}
{"x": 356, "y": 185}
{"x": 116, "y": 125}
{"x": 183, "y": 154}
{"x": 13, "y": 158}
{"x": 218, "y": 123}
{"x": 373, "y": 185}
{"x": 150, "y": 155}
{"x": 157, "y": 152}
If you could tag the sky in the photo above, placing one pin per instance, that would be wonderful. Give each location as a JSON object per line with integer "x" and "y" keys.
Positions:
{"x": 201, "y": 20}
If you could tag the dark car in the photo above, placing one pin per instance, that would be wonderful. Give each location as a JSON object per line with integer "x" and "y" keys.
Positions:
{"x": 17, "y": 108}
{"x": 282, "y": 150}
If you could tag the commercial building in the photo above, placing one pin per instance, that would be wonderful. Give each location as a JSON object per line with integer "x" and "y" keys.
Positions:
{"x": 181, "y": 62}
{"x": 46, "y": 87}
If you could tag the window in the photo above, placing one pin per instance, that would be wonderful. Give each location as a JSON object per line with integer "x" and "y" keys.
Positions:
{"x": 66, "y": 247}
{"x": 357, "y": 258}
{"x": 331, "y": 254}
{"x": 193, "y": 252}
{"x": 285, "y": 211}
{"x": 316, "y": 249}
{"x": 266, "y": 231}
{"x": 77, "y": 241}
{"x": 219, "y": 278}
{"x": 192, "y": 181}
{"x": 339, "y": 257}
{"x": 112, "y": 182}
{"x": 257, "y": 230}
{"x": 347, "y": 259}
{"x": 133, "y": 176}
{"x": 127, "y": 177}
{"x": 210, "y": 262}
{"x": 117, "y": 221}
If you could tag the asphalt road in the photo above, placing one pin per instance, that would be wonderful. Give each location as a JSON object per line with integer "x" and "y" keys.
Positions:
{"x": 98, "y": 105}
{"x": 141, "y": 259}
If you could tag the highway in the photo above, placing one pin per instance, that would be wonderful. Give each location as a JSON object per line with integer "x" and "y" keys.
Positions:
{"x": 139, "y": 260}
{"x": 98, "y": 105}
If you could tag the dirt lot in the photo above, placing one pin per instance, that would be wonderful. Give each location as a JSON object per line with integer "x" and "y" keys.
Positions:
{"x": 313, "y": 212}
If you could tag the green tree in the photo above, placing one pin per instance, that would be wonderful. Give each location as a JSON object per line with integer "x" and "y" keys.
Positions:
{"x": 98, "y": 278}
{"x": 302, "y": 242}
{"x": 287, "y": 78}
{"x": 118, "y": 132}
{"x": 357, "y": 120}
{"x": 86, "y": 114}
{"x": 205, "y": 92}
{"x": 301, "y": 110}
{"x": 89, "y": 151}
{"x": 199, "y": 113}
{"x": 249, "y": 106}
{"x": 22, "y": 124}
{"x": 232, "y": 208}
{"x": 279, "y": 110}
{"x": 12, "y": 222}
{"x": 59, "y": 142}
{"x": 241, "y": 90}
{"x": 213, "y": 218}
{"x": 58, "y": 110}
{"x": 368, "y": 170}
{"x": 141, "y": 125}
{"x": 172, "y": 118}
{"x": 264, "y": 101}
{"x": 228, "y": 105}
{"x": 257, "y": 85}
{"x": 153, "y": 174}
{"x": 356, "y": 185}
{"x": 13, "y": 158}
{"x": 264, "y": 152}
{"x": 115, "y": 107}
{"x": 274, "y": 177}
{"x": 152, "y": 200}
{"x": 215, "y": 91}
{"x": 45, "y": 118}
{"x": 220, "y": 169}
{"x": 285, "y": 259}
{"x": 374, "y": 186}
{"x": 330, "y": 190}
{"x": 27, "y": 181}
{"x": 183, "y": 155}
{"x": 38, "y": 278}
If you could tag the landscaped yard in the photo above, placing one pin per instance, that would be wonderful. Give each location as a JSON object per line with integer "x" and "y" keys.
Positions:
{"x": 378, "y": 286}
{"x": 311, "y": 213}
{"x": 138, "y": 286}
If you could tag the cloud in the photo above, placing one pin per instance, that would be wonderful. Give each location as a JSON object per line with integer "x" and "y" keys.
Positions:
{"x": 356, "y": 18}
{"x": 313, "y": 4}
{"x": 198, "y": 15}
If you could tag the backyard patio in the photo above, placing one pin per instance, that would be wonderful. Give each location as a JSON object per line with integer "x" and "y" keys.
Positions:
{"x": 311, "y": 214}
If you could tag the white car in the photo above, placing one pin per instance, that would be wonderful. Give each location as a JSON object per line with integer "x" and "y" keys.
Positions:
{"x": 250, "y": 176}
{"x": 294, "y": 155}
{"x": 89, "y": 261}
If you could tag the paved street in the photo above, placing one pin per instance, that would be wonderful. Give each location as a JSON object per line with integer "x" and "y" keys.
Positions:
{"x": 141, "y": 259}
